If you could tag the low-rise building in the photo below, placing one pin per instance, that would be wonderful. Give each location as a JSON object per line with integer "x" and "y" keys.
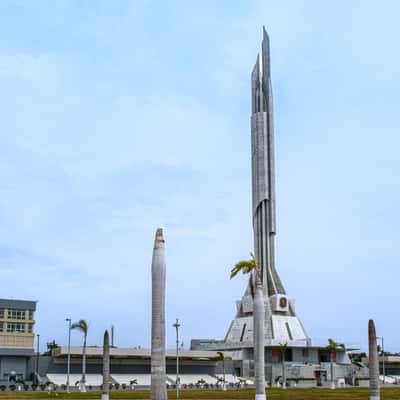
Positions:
{"x": 129, "y": 366}
{"x": 17, "y": 321}
{"x": 389, "y": 362}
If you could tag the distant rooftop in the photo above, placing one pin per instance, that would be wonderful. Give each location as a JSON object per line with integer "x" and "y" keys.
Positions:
{"x": 18, "y": 304}
{"x": 138, "y": 353}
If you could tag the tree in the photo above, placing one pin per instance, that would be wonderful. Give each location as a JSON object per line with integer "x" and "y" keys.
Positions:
{"x": 201, "y": 382}
{"x": 251, "y": 268}
{"x": 132, "y": 383}
{"x": 240, "y": 382}
{"x": 333, "y": 347}
{"x": 106, "y": 367}
{"x": 220, "y": 381}
{"x": 282, "y": 349}
{"x": 50, "y": 347}
{"x": 82, "y": 326}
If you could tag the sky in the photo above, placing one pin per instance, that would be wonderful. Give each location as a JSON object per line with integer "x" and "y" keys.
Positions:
{"x": 120, "y": 117}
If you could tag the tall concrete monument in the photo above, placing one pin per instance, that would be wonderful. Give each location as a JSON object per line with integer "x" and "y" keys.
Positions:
{"x": 158, "y": 361}
{"x": 281, "y": 322}
{"x": 304, "y": 357}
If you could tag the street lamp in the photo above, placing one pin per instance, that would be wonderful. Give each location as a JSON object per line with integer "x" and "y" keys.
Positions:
{"x": 176, "y": 325}
{"x": 69, "y": 352}
{"x": 383, "y": 356}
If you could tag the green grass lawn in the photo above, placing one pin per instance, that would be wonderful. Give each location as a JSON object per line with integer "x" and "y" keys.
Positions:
{"x": 392, "y": 393}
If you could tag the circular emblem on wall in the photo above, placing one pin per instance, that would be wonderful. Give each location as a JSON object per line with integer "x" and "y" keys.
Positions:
{"x": 283, "y": 302}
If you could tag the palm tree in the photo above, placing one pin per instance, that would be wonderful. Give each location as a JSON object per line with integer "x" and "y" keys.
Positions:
{"x": 332, "y": 347}
{"x": 374, "y": 392}
{"x": 220, "y": 380}
{"x": 282, "y": 349}
{"x": 106, "y": 367}
{"x": 201, "y": 382}
{"x": 132, "y": 383}
{"x": 82, "y": 326}
{"x": 222, "y": 357}
{"x": 240, "y": 382}
{"x": 251, "y": 268}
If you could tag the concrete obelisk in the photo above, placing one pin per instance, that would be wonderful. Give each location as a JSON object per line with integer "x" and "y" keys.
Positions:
{"x": 374, "y": 391}
{"x": 106, "y": 367}
{"x": 158, "y": 272}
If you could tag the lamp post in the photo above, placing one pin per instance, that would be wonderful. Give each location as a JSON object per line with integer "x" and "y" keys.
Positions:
{"x": 69, "y": 353}
{"x": 37, "y": 354}
{"x": 176, "y": 325}
{"x": 383, "y": 356}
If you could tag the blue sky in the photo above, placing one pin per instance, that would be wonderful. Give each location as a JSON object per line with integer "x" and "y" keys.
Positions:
{"x": 119, "y": 117}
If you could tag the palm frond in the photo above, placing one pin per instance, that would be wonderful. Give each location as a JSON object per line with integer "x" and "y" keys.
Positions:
{"x": 333, "y": 345}
{"x": 244, "y": 266}
{"x": 282, "y": 347}
{"x": 81, "y": 325}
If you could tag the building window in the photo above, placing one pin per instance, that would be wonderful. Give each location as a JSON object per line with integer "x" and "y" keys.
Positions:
{"x": 30, "y": 314}
{"x": 30, "y": 328}
{"x": 2, "y": 313}
{"x": 16, "y": 314}
{"x": 15, "y": 327}
{"x": 1, "y": 327}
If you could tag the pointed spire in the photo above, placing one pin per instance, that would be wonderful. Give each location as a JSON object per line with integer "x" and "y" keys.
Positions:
{"x": 255, "y": 86}
{"x": 265, "y": 33}
{"x": 266, "y": 61}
